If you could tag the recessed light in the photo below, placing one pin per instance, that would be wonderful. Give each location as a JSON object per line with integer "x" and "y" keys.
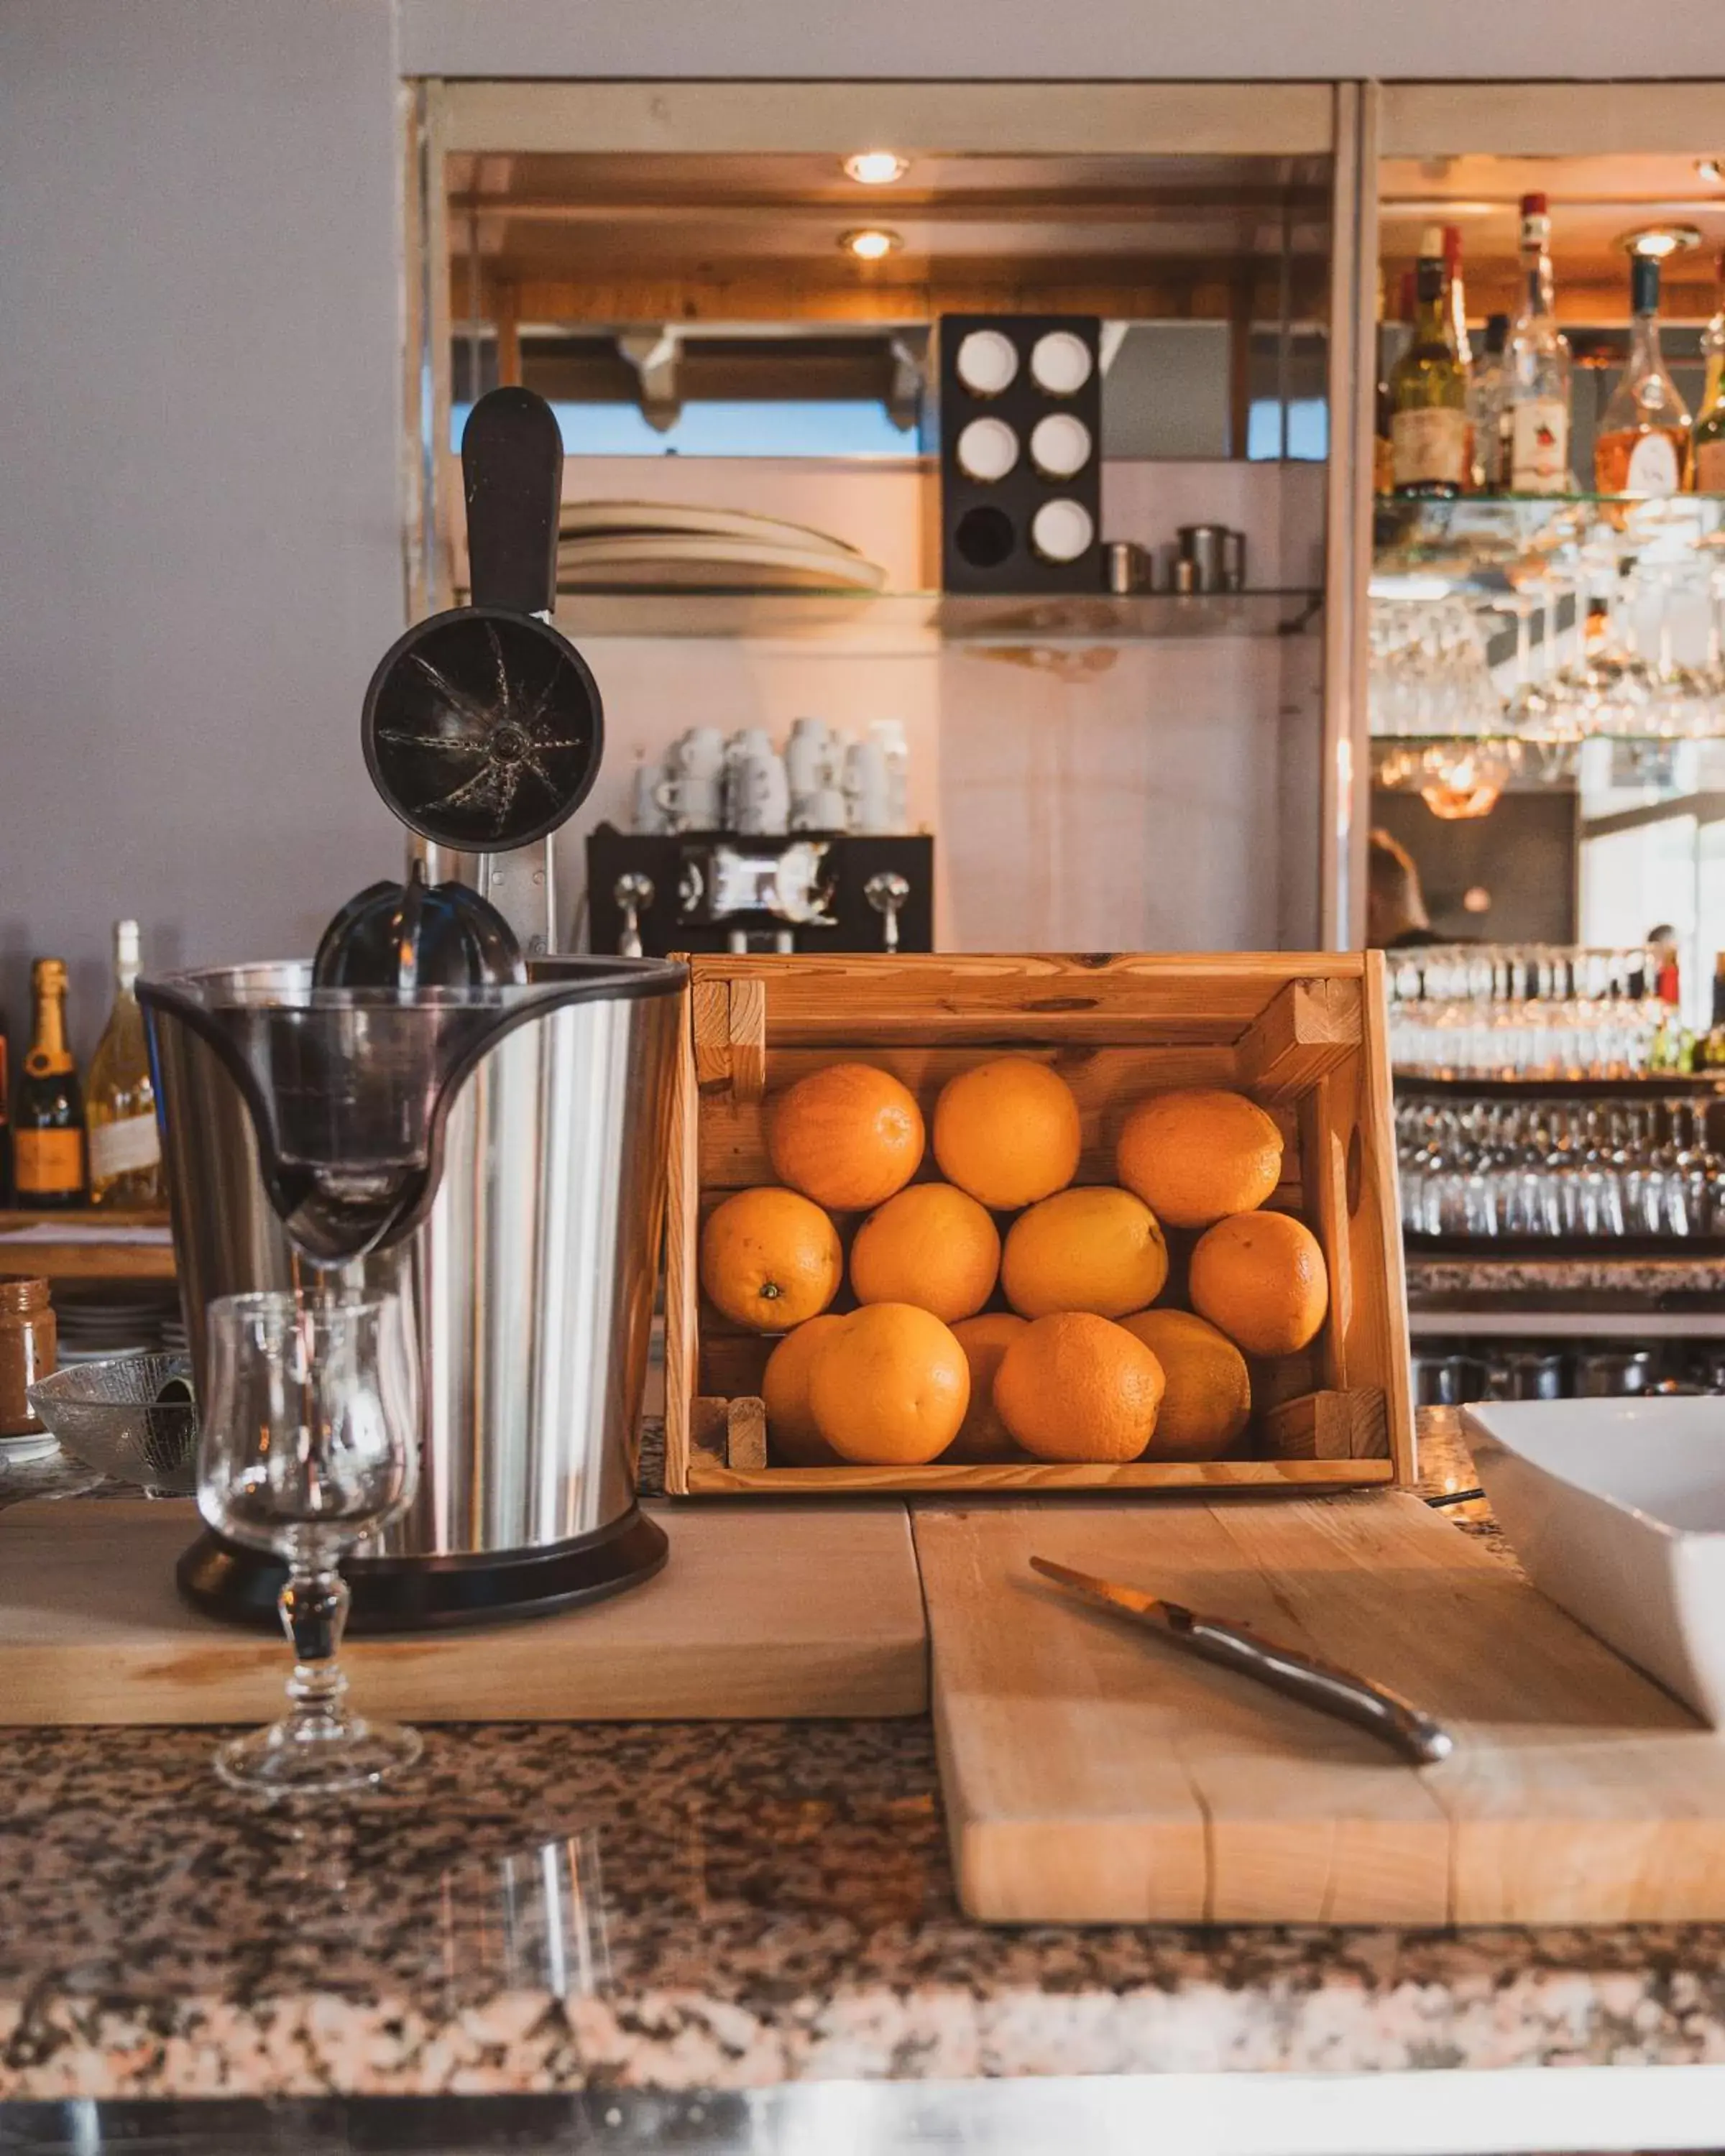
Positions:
{"x": 876, "y": 168}
{"x": 871, "y": 244}
{"x": 1713, "y": 169}
{"x": 1656, "y": 242}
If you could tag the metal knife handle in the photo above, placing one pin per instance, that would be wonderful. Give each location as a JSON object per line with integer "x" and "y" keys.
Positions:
{"x": 1320, "y": 1685}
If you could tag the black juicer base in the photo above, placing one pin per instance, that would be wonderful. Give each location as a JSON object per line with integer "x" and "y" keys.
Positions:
{"x": 420, "y": 1595}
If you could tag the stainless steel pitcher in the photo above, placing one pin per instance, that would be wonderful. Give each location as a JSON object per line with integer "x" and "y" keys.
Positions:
{"x": 515, "y": 1199}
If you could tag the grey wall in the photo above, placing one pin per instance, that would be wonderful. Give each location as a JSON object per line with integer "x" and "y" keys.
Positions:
{"x": 199, "y": 558}
{"x": 1167, "y": 40}
{"x": 199, "y": 413}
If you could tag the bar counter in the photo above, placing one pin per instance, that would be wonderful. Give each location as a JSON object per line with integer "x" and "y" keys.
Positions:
{"x": 697, "y": 1908}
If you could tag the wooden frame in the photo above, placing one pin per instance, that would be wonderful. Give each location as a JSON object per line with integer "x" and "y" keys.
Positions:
{"x": 1303, "y": 1034}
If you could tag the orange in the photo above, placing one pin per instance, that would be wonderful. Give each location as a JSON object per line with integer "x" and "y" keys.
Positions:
{"x": 769, "y": 1259}
{"x": 930, "y": 1245}
{"x": 1075, "y": 1386}
{"x": 847, "y": 1136}
{"x": 1260, "y": 1277}
{"x": 1008, "y": 1132}
{"x": 1195, "y": 1157}
{"x": 790, "y": 1419}
{"x": 984, "y": 1340}
{"x": 889, "y": 1388}
{"x": 1094, "y": 1249}
{"x": 1208, "y": 1395}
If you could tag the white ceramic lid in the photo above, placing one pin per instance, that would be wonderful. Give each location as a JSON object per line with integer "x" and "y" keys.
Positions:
{"x": 1059, "y": 362}
{"x": 988, "y": 449}
{"x": 1061, "y": 530}
{"x": 988, "y": 360}
{"x": 1059, "y": 445}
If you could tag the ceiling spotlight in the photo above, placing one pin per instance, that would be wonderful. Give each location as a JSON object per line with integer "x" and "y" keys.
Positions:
{"x": 876, "y": 168}
{"x": 1711, "y": 169}
{"x": 871, "y": 244}
{"x": 1656, "y": 242}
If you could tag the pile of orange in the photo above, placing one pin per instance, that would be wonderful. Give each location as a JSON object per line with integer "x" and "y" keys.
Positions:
{"x": 1078, "y": 1366}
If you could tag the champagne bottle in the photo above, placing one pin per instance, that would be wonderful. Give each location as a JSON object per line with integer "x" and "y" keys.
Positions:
{"x": 47, "y": 1116}
{"x": 120, "y": 1101}
{"x": 1427, "y": 392}
{"x": 1642, "y": 447}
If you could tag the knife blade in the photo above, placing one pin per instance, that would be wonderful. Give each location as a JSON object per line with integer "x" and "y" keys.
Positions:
{"x": 1303, "y": 1677}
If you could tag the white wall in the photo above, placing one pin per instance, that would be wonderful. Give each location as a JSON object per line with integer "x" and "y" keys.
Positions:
{"x": 199, "y": 413}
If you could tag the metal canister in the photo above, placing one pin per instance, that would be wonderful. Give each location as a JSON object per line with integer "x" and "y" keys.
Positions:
{"x": 1205, "y": 547}
{"x": 1128, "y": 566}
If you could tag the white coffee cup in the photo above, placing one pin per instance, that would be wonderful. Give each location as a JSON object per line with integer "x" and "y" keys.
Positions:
{"x": 692, "y": 804}
{"x": 890, "y": 733}
{"x": 868, "y": 787}
{"x": 807, "y": 756}
{"x": 822, "y": 808}
{"x": 758, "y": 795}
{"x": 647, "y": 815}
{"x": 699, "y": 754}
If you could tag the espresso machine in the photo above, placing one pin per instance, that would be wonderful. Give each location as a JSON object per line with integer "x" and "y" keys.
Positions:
{"x": 717, "y": 890}
{"x": 436, "y": 1106}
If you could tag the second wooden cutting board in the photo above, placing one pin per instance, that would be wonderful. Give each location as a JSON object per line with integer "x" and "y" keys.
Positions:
{"x": 1093, "y": 1774}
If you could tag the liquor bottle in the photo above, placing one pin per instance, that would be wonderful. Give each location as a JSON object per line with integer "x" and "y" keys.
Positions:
{"x": 1710, "y": 418}
{"x": 1488, "y": 408}
{"x": 1712, "y": 340}
{"x": 1454, "y": 298}
{"x": 5, "y": 1127}
{"x": 1383, "y": 455}
{"x": 1537, "y": 370}
{"x": 120, "y": 1099}
{"x": 1427, "y": 392}
{"x": 47, "y": 1115}
{"x": 1710, "y": 1053}
{"x": 1642, "y": 447}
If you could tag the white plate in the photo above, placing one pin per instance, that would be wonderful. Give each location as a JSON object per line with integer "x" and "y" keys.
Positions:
{"x": 698, "y": 565}
{"x": 1617, "y": 1509}
{"x": 582, "y": 520}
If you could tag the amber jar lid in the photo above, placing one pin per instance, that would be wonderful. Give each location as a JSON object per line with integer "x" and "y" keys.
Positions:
{"x": 18, "y": 1297}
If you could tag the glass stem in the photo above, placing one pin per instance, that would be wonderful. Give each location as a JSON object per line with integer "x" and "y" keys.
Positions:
{"x": 313, "y": 1603}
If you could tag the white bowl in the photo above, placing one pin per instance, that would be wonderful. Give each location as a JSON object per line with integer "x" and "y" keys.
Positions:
{"x": 1617, "y": 1509}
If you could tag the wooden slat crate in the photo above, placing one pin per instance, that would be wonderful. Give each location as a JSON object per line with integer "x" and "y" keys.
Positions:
{"x": 1303, "y": 1033}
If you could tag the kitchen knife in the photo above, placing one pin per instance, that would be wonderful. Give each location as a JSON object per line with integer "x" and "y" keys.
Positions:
{"x": 1302, "y": 1677}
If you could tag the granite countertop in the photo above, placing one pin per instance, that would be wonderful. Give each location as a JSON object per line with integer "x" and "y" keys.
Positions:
{"x": 694, "y": 1906}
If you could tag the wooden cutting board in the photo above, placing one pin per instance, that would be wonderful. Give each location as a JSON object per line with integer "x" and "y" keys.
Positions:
{"x": 795, "y": 1610}
{"x": 1093, "y": 1773}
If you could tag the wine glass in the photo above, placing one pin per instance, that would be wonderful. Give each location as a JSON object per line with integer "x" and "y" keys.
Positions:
{"x": 310, "y": 1443}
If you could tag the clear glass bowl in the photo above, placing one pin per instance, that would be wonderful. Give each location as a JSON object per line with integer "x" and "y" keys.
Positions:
{"x": 108, "y": 1416}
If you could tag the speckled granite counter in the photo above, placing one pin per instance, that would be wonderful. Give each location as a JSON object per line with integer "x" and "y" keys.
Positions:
{"x": 703, "y": 1906}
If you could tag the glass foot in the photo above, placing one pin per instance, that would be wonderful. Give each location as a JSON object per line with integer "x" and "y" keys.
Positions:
{"x": 290, "y": 1759}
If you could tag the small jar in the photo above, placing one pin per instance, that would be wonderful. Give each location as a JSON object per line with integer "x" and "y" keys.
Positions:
{"x": 28, "y": 1344}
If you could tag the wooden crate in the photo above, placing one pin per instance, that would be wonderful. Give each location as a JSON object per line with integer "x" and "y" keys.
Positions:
{"x": 1304, "y": 1034}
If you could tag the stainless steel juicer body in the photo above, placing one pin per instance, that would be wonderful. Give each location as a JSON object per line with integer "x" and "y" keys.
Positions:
{"x": 528, "y": 1259}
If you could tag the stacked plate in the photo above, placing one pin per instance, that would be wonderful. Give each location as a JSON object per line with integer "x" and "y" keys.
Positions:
{"x": 98, "y": 1320}
{"x": 655, "y": 546}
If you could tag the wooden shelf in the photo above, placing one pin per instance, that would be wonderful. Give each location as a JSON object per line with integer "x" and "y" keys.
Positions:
{"x": 87, "y": 1249}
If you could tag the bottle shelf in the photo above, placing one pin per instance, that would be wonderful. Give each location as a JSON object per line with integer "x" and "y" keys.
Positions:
{"x": 87, "y": 1243}
{"x": 919, "y": 620}
{"x": 1654, "y": 1086}
{"x": 1490, "y": 542}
